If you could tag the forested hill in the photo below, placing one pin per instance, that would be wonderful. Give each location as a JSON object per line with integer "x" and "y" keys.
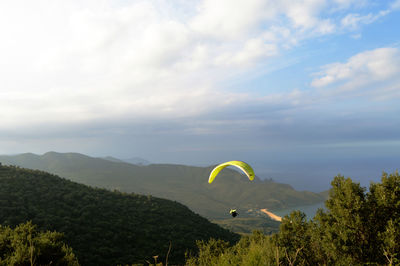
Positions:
{"x": 185, "y": 184}
{"x": 103, "y": 227}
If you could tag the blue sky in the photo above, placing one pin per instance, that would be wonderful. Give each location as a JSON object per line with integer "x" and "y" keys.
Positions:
{"x": 302, "y": 90}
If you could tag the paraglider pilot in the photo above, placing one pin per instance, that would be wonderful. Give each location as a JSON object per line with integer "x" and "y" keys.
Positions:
{"x": 233, "y": 213}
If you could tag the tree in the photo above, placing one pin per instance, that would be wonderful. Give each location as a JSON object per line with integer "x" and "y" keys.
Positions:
{"x": 391, "y": 242}
{"x": 295, "y": 238}
{"x": 360, "y": 227}
{"x": 345, "y": 224}
{"x": 24, "y": 245}
{"x": 384, "y": 201}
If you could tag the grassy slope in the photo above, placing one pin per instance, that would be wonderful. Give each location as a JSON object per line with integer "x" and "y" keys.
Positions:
{"x": 185, "y": 184}
{"x": 102, "y": 227}
{"x": 248, "y": 225}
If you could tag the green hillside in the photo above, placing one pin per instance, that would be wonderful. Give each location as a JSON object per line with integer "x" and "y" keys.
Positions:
{"x": 103, "y": 227}
{"x": 185, "y": 184}
{"x": 247, "y": 225}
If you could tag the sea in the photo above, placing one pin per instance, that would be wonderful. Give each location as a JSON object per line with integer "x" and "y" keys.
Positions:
{"x": 309, "y": 210}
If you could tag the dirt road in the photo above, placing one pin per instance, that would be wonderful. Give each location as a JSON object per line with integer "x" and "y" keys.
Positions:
{"x": 271, "y": 215}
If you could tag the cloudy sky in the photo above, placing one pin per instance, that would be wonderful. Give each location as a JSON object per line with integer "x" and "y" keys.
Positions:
{"x": 302, "y": 90}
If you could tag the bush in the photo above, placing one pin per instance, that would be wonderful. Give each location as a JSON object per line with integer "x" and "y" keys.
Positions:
{"x": 24, "y": 245}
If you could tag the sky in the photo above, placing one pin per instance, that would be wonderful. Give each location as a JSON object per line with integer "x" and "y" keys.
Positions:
{"x": 300, "y": 89}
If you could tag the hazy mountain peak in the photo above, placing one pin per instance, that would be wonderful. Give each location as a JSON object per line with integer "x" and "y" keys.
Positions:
{"x": 112, "y": 159}
{"x": 137, "y": 161}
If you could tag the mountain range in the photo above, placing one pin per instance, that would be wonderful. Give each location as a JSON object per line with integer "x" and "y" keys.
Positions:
{"x": 185, "y": 184}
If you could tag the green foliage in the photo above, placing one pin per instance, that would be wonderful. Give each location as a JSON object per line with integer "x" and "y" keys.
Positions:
{"x": 26, "y": 246}
{"x": 295, "y": 238}
{"x": 358, "y": 228}
{"x": 255, "y": 249}
{"x": 358, "y": 224}
{"x": 103, "y": 227}
{"x": 346, "y": 231}
{"x": 390, "y": 239}
{"x": 209, "y": 252}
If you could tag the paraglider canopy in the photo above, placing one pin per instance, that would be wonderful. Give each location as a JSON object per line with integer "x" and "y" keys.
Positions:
{"x": 239, "y": 164}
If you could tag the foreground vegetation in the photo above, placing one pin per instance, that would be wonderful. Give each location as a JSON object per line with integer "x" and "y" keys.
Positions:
{"x": 24, "y": 245}
{"x": 358, "y": 227}
{"x": 102, "y": 227}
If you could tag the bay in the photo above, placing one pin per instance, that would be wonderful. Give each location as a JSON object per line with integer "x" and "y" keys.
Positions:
{"x": 309, "y": 210}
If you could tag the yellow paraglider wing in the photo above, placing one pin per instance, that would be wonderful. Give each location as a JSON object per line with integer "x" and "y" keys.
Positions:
{"x": 239, "y": 164}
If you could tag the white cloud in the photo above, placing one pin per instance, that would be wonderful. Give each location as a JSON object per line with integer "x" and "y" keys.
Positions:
{"x": 232, "y": 19}
{"x": 353, "y": 21}
{"x": 375, "y": 72}
{"x": 253, "y": 50}
{"x": 77, "y": 61}
{"x": 304, "y": 13}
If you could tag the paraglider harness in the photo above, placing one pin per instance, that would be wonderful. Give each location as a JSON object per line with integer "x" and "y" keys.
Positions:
{"x": 233, "y": 212}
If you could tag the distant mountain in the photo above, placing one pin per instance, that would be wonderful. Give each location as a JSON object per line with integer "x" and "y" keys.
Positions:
{"x": 325, "y": 193}
{"x": 102, "y": 227}
{"x": 137, "y": 160}
{"x": 134, "y": 160}
{"x": 112, "y": 159}
{"x": 185, "y": 184}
